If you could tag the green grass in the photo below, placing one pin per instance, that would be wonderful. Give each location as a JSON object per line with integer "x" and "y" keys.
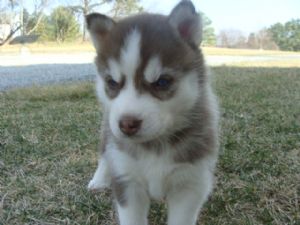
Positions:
{"x": 49, "y": 136}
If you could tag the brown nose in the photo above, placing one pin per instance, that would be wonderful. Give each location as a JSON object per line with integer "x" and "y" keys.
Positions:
{"x": 130, "y": 125}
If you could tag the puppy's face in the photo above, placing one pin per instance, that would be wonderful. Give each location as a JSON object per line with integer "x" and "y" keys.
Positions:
{"x": 149, "y": 71}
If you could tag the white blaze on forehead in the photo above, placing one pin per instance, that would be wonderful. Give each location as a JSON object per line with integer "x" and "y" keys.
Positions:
{"x": 114, "y": 69}
{"x": 153, "y": 69}
{"x": 130, "y": 54}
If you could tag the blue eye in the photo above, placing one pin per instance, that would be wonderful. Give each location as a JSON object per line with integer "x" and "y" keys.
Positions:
{"x": 163, "y": 82}
{"x": 112, "y": 83}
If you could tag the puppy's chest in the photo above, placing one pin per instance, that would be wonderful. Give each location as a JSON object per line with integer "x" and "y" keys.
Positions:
{"x": 155, "y": 172}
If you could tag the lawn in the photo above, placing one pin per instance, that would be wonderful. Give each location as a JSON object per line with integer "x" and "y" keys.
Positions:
{"x": 49, "y": 47}
{"x": 54, "y": 47}
{"x": 49, "y": 136}
{"x": 245, "y": 52}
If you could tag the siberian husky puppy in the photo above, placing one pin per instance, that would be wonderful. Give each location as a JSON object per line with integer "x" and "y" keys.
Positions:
{"x": 160, "y": 118}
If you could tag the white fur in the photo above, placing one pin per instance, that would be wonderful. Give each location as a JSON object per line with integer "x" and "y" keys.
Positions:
{"x": 153, "y": 69}
{"x": 114, "y": 70}
{"x": 185, "y": 186}
{"x": 130, "y": 54}
{"x": 101, "y": 178}
{"x": 158, "y": 117}
{"x": 163, "y": 179}
{"x": 151, "y": 175}
{"x": 135, "y": 213}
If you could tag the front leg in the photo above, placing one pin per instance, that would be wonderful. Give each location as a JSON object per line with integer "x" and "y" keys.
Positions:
{"x": 101, "y": 178}
{"x": 185, "y": 199}
{"x": 184, "y": 207}
{"x": 132, "y": 202}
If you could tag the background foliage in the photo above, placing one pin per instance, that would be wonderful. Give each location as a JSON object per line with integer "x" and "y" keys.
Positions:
{"x": 287, "y": 36}
{"x": 66, "y": 23}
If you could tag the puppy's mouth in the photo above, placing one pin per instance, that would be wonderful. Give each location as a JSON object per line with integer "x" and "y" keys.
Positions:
{"x": 139, "y": 138}
{"x": 140, "y": 130}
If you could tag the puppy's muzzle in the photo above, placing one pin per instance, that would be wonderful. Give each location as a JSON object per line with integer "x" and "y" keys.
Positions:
{"x": 130, "y": 125}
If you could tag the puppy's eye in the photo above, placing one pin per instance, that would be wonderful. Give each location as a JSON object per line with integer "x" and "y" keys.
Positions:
{"x": 111, "y": 83}
{"x": 163, "y": 83}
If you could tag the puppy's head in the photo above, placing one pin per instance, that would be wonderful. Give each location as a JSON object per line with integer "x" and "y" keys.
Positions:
{"x": 150, "y": 71}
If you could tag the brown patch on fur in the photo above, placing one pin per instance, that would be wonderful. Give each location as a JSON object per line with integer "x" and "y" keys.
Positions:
{"x": 163, "y": 41}
{"x": 119, "y": 188}
{"x": 199, "y": 146}
{"x": 199, "y": 138}
{"x": 158, "y": 38}
{"x": 143, "y": 86}
{"x": 98, "y": 28}
{"x": 113, "y": 92}
{"x": 188, "y": 23}
{"x": 155, "y": 146}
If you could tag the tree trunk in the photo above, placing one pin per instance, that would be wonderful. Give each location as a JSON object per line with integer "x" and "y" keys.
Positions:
{"x": 84, "y": 32}
{"x": 12, "y": 32}
{"x": 37, "y": 24}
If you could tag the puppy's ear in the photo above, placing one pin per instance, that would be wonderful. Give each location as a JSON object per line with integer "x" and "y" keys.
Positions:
{"x": 98, "y": 26}
{"x": 187, "y": 22}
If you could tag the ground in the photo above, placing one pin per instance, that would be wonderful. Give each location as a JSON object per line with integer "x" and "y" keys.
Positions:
{"x": 40, "y": 64}
{"x": 49, "y": 136}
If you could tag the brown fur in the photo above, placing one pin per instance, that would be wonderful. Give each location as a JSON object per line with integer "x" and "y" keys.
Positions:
{"x": 119, "y": 188}
{"x": 162, "y": 41}
{"x": 190, "y": 143}
{"x": 191, "y": 139}
{"x": 113, "y": 92}
{"x": 196, "y": 139}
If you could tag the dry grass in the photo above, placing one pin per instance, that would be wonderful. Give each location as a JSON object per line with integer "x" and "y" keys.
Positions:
{"x": 48, "y": 139}
{"x": 53, "y": 47}
{"x": 244, "y": 52}
{"x": 282, "y": 63}
{"x": 49, "y": 47}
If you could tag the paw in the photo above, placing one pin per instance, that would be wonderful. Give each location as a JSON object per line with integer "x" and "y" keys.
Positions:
{"x": 96, "y": 185}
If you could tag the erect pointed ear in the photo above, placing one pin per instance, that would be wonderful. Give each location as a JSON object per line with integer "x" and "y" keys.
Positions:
{"x": 98, "y": 26}
{"x": 187, "y": 22}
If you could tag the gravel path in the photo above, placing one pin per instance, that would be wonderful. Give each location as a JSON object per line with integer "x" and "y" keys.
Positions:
{"x": 22, "y": 76}
{"x": 39, "y": 69}
{"x": 27, "y": 69}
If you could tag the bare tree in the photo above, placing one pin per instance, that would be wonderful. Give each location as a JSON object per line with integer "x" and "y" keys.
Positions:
{"x": 252, "y": 42}
{"x": 122, "y": 8}
{"x": 265, "y": 41}
{"x": 119, "y": 9}
{"x": 231, "y": 39}
{"x": 222, "y": 39}
{"x": 13, "y": 3}
{"x": 85, "y": 7}
{"x": 7, "y": 17}
{"x": 40, "y": 6}
{"x": 12, "y": 32}
{"x": 16, "y": 9}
